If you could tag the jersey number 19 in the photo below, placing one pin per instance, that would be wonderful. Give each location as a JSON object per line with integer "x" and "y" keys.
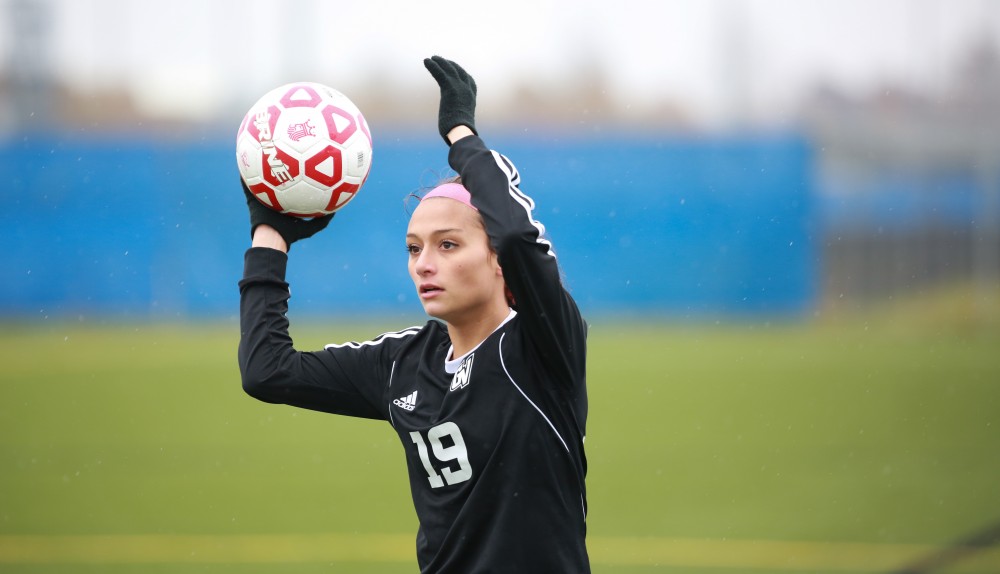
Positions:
{"x": 444, "y": 454}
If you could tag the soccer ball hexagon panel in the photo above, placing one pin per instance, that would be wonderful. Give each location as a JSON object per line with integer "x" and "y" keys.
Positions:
{"x": 304, "y": 149}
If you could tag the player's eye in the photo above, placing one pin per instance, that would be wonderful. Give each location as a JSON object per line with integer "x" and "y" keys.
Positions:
{"x": 446, "y": 245}
{"x": 413, "y": 249}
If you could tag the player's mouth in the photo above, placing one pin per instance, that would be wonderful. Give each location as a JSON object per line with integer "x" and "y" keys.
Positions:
{"x": 429, "y": 291}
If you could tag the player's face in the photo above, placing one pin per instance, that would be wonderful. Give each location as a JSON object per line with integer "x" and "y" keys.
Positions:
{"x": 452, "y": 266}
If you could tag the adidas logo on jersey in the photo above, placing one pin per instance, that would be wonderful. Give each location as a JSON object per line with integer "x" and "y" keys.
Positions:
{"x": 409, "y": 402}
{"x": 461, "y": 378}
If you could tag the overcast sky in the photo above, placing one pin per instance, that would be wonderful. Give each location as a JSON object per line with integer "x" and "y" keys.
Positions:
{"x": 191, "y": 56}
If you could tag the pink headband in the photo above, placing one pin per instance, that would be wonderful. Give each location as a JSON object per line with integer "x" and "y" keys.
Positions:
{"x": 454, "y": 191}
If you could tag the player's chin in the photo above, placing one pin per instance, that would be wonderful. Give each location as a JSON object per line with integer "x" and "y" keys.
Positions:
{"x": 434, "y": 309}
{"x": 438, "y": 310}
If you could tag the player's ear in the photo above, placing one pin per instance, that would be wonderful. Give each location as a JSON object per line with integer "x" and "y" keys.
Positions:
{"x": 509, "y": 296}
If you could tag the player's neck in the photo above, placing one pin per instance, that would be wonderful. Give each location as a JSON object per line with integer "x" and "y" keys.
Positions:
{"x": 466, "y": 335}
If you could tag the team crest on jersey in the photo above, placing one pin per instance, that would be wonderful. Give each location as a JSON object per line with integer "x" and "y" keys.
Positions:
{"x": 407, "y": 403}
{"x": 461, "y": 378}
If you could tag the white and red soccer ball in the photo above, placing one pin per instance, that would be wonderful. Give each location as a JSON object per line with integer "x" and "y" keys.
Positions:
{"x": 304, "y": 149}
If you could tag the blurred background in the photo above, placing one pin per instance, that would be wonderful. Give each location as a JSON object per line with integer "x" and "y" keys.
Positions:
{"x": 740, "y": 177}
{"x": 707, "y": 157}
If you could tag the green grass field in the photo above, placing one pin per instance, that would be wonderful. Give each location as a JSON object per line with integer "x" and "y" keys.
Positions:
{"x": 848, "y": 447}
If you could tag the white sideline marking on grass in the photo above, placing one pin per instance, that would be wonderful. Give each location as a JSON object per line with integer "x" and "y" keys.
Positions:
{"x": 342, "y": 547}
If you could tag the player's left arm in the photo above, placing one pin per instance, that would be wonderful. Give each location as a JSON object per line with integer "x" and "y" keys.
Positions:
{"x": 526, "y": 257}
{"x": 529, "y": 263}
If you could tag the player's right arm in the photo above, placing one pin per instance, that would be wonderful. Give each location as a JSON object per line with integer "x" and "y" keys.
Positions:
{"x": 342, "y": 380}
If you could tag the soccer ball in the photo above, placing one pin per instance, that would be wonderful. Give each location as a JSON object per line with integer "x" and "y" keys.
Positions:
{"x": 304, "y": 149}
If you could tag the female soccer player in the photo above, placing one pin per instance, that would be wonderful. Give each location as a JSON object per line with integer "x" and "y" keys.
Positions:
{"x": 489, "y": 398}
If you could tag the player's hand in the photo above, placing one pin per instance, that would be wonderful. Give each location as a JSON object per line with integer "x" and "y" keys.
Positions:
{"x": 458, "y": 95}
{"x": 290, "y": 228}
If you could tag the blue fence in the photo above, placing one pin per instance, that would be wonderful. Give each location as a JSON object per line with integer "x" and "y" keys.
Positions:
{"x": 127, "y": 228}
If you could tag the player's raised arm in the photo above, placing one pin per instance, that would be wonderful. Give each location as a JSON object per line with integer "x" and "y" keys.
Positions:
{"x": 340, "y": 381}
{"x": 525, "y": 255}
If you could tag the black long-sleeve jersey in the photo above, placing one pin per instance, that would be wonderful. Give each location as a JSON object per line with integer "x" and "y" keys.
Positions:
{"x": 494, "y": 439}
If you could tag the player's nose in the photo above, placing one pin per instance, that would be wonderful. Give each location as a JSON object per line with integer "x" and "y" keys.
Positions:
{"x": 425, "y": 264}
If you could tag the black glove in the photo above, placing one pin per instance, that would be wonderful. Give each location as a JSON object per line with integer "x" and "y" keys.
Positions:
{"x": 290, "y": 228}
{"x": 458, "y": 95}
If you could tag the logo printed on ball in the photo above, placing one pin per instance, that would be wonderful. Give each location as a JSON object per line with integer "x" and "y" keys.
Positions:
{"x": 298, "y": 131}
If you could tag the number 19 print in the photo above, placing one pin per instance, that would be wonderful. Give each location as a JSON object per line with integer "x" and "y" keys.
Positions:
{"x": 444, "y": 454}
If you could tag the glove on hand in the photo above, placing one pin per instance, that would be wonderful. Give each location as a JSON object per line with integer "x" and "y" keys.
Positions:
{"x": 458, "y": 95}
{"x": 289, "y": 227}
